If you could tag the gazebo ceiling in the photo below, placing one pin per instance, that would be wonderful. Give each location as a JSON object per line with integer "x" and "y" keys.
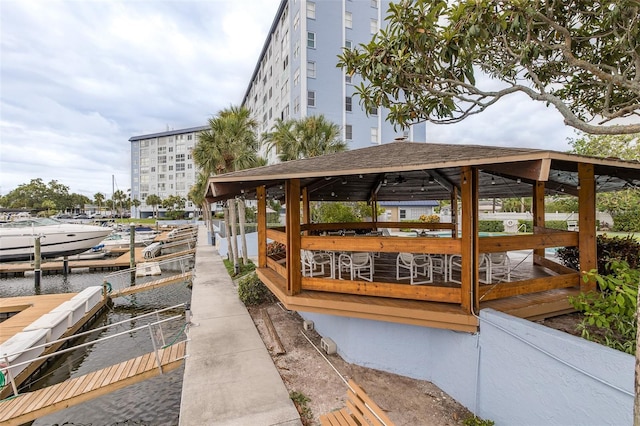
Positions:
{"x": 425, "y": 171}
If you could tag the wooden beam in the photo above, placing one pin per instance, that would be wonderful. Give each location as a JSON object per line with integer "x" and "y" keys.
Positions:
{"x": 306, "y": 212}
{"x": 469, "y": 259}
{"x": 587, "y": 222}
{"x": 534, "y": 285}
{"x": 261, "y": 193}
{"x": 294, "y": 266}
{"x": 533, "y": 170}
{"x": 454, "y": 212}
{"x": 538, "y": 212}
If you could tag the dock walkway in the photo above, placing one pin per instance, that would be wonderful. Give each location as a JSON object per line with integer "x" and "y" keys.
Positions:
{"x": 32, "y": 405}
{"x": 229, "y": 377}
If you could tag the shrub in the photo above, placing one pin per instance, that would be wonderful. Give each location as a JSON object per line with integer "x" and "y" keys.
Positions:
{"x": 628, "y": 221}
{"x": 432, "y": 218}
{"x": 301, "y": 401}
{"x": 609, "y": 315}
{"x": 252, "y": 291}
{"x": 490, "y": 226}
{"x": 477, "y": 421}
{"x": 608, "y": 248}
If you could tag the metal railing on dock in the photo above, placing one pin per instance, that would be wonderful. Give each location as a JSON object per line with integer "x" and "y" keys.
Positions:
{"x": 25, "y": 407}
{"x": 125, "y": 282}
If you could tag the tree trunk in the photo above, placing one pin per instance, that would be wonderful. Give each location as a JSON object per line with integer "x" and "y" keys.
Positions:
{"x": 234, "y": 235}
{"x": 243, "y": 237}
{"x": 636, "y": 401}
{"x": 228, "y": 232}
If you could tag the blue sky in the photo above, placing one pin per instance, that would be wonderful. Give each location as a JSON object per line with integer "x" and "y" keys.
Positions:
{"x": 79, "y": 78}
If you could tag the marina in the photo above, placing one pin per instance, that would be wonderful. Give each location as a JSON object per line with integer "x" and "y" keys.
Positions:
{"x": 24, "y": 305}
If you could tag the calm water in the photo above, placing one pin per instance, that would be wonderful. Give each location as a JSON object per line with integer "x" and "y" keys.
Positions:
{"x": 155, "y": 401}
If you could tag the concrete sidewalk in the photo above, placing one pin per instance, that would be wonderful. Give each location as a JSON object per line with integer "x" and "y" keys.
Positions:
{"x": 229, "y": 377}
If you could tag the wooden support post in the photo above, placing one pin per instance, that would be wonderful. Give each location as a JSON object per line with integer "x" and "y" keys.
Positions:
{"x": 261, "y": 193}
{"x": 538, "y": 214}
{"x": 306, "y": 212}
{"x": 469, "y": 256}
{"x": 37, "y": 258}
{"x": 587, "y": 222}
{"x": 454, "y": 213}
{"x": 292, "y": 202}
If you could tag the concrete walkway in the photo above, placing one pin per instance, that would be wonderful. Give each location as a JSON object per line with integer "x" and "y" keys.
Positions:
{"x": 229, "y": 377}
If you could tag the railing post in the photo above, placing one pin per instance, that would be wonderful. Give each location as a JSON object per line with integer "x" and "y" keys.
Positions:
{"x": 10, "y": 376}
{"x": 155, "y": 350}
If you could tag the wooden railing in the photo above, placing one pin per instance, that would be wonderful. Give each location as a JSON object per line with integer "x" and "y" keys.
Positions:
{"x": 393, "y": 244}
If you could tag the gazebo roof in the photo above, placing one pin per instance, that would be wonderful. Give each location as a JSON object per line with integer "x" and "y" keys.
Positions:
{"x": 425, "y": 171}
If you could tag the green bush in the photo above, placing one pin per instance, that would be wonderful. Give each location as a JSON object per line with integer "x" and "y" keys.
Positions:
{"x": 628, "y": 221}
{"x": 607, "y": 249}
{"x": 609, "y": 314}
{"x": 551, "y": 224}
{"x": 491, "y": 226}
{"x": 477, "y": 421}
{"x": 252, "y": 291}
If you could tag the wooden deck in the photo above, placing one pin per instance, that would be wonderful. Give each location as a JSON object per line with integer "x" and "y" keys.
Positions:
{"x": 27, "y": 309}
{"x": 437, "y": 314}
{"x": 30, "y": 406}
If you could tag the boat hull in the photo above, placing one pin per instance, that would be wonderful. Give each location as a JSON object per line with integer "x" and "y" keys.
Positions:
{"x": 53, "y": 243}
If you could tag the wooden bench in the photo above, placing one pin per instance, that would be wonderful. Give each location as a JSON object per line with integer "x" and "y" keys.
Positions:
{"x": 360, "y": 411}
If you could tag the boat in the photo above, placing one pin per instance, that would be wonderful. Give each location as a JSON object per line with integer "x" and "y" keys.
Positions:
{"x": 96, "y": 252}
{"x": 121, "y": 240}
{"x": 57, "y": 239}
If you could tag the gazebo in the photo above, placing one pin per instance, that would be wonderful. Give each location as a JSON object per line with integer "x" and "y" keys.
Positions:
{"x": 452, "y": 269}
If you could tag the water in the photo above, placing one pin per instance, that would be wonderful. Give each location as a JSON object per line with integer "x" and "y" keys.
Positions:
{"x": 154, "y": 401}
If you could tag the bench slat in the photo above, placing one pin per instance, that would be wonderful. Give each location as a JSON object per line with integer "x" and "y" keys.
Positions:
{"x": 360, "y": 410}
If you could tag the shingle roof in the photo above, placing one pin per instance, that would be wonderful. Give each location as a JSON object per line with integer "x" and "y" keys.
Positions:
{"x": 406, "y": 170}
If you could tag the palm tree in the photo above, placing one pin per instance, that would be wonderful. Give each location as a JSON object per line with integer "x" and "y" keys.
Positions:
{"x": 98, "y": 198}
{"x": 154, "y": 200}
{"x": 118, "y": 198}
{"x": 304, "y": 138}
{"x": 228, "y": 145}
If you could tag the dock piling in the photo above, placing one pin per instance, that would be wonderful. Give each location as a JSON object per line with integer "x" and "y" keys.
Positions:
{"x": 37, "y": 272}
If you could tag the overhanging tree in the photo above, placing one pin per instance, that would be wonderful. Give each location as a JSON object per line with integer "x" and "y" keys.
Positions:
{"x": 581, "y": 57}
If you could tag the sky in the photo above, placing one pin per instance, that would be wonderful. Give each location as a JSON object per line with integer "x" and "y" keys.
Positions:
{"x": 78, "y": 78}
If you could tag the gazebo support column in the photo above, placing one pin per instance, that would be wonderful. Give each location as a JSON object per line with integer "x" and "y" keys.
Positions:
{"x": 538, "y": 214}
{"x": 261, "y": 193}
{"x": 587, "y": 222}
{"x": 306, "y": 211}
{"x": 469, "y": 256}
{"x": 454, "y": 213}
{"x": 292, "y": 202}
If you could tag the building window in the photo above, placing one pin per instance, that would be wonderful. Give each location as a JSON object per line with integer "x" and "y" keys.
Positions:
{"x": 296, "y": 21}
{"x": 179, "y": 167}
{"x": 374, "y": 4}
{"x": 311, "y": 98}
{"x": 285, "y": 63}
{"x": 348, "y": 44}
{"x": 296, "y": 49}
{"x": 403, "y": 214}
{"x": 348, "y": 20}
{"x": 374, "y": 135}
{"x": 296, "y": 77}
{"x": 373, "y": 111}
{"x": 348, "y": 132}
{"x": 296, "y": 105}
{"x": 347, "y": 104}
{"x": 179, "y": 157}
{"x": 311, "y": 10}
{"x": 311, "y": 40}
{"x": 347, "y": 78}
{"x": 311, "y": 69}
{"x": 374, "y": 26}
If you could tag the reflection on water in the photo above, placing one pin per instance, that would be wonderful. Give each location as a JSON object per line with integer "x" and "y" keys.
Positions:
{"x": 155, "y": 401}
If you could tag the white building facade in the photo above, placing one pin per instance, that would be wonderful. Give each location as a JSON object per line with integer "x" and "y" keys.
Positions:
{"x": 162, "y": 165}
{"x": 296, "y": 73}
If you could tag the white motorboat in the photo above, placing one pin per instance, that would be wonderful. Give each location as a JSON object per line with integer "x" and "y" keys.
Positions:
{"x": 119, "y": 240}
{"x": 17, "y": 238}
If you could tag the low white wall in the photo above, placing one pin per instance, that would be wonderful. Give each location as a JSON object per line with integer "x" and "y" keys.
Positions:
{"x": 512, "y": 372}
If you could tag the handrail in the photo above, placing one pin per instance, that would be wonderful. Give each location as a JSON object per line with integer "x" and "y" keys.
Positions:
{"x": 7, "y": 367}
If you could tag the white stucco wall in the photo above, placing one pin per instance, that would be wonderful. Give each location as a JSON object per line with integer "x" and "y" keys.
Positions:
{"x": 513, "y": 372}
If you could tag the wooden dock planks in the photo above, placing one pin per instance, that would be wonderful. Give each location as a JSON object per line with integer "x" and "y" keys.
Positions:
{"x": 32, "y": 405}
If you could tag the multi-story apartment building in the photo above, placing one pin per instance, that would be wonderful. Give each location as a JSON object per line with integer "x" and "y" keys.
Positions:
{"x": 296, "y": 73}
{"x": 295, "y": 76}
{"x": 161, "y": 164}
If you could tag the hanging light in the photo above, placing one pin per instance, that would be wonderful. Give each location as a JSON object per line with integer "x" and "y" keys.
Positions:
{"x": 422, "y": 187}
{"x": 493, "y": 181}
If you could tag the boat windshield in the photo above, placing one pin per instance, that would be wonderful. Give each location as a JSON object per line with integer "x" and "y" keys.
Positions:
{"x": 30, "y": 222}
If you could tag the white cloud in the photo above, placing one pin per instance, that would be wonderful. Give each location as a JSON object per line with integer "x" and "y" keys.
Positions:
{"x": 79, "y": 78}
